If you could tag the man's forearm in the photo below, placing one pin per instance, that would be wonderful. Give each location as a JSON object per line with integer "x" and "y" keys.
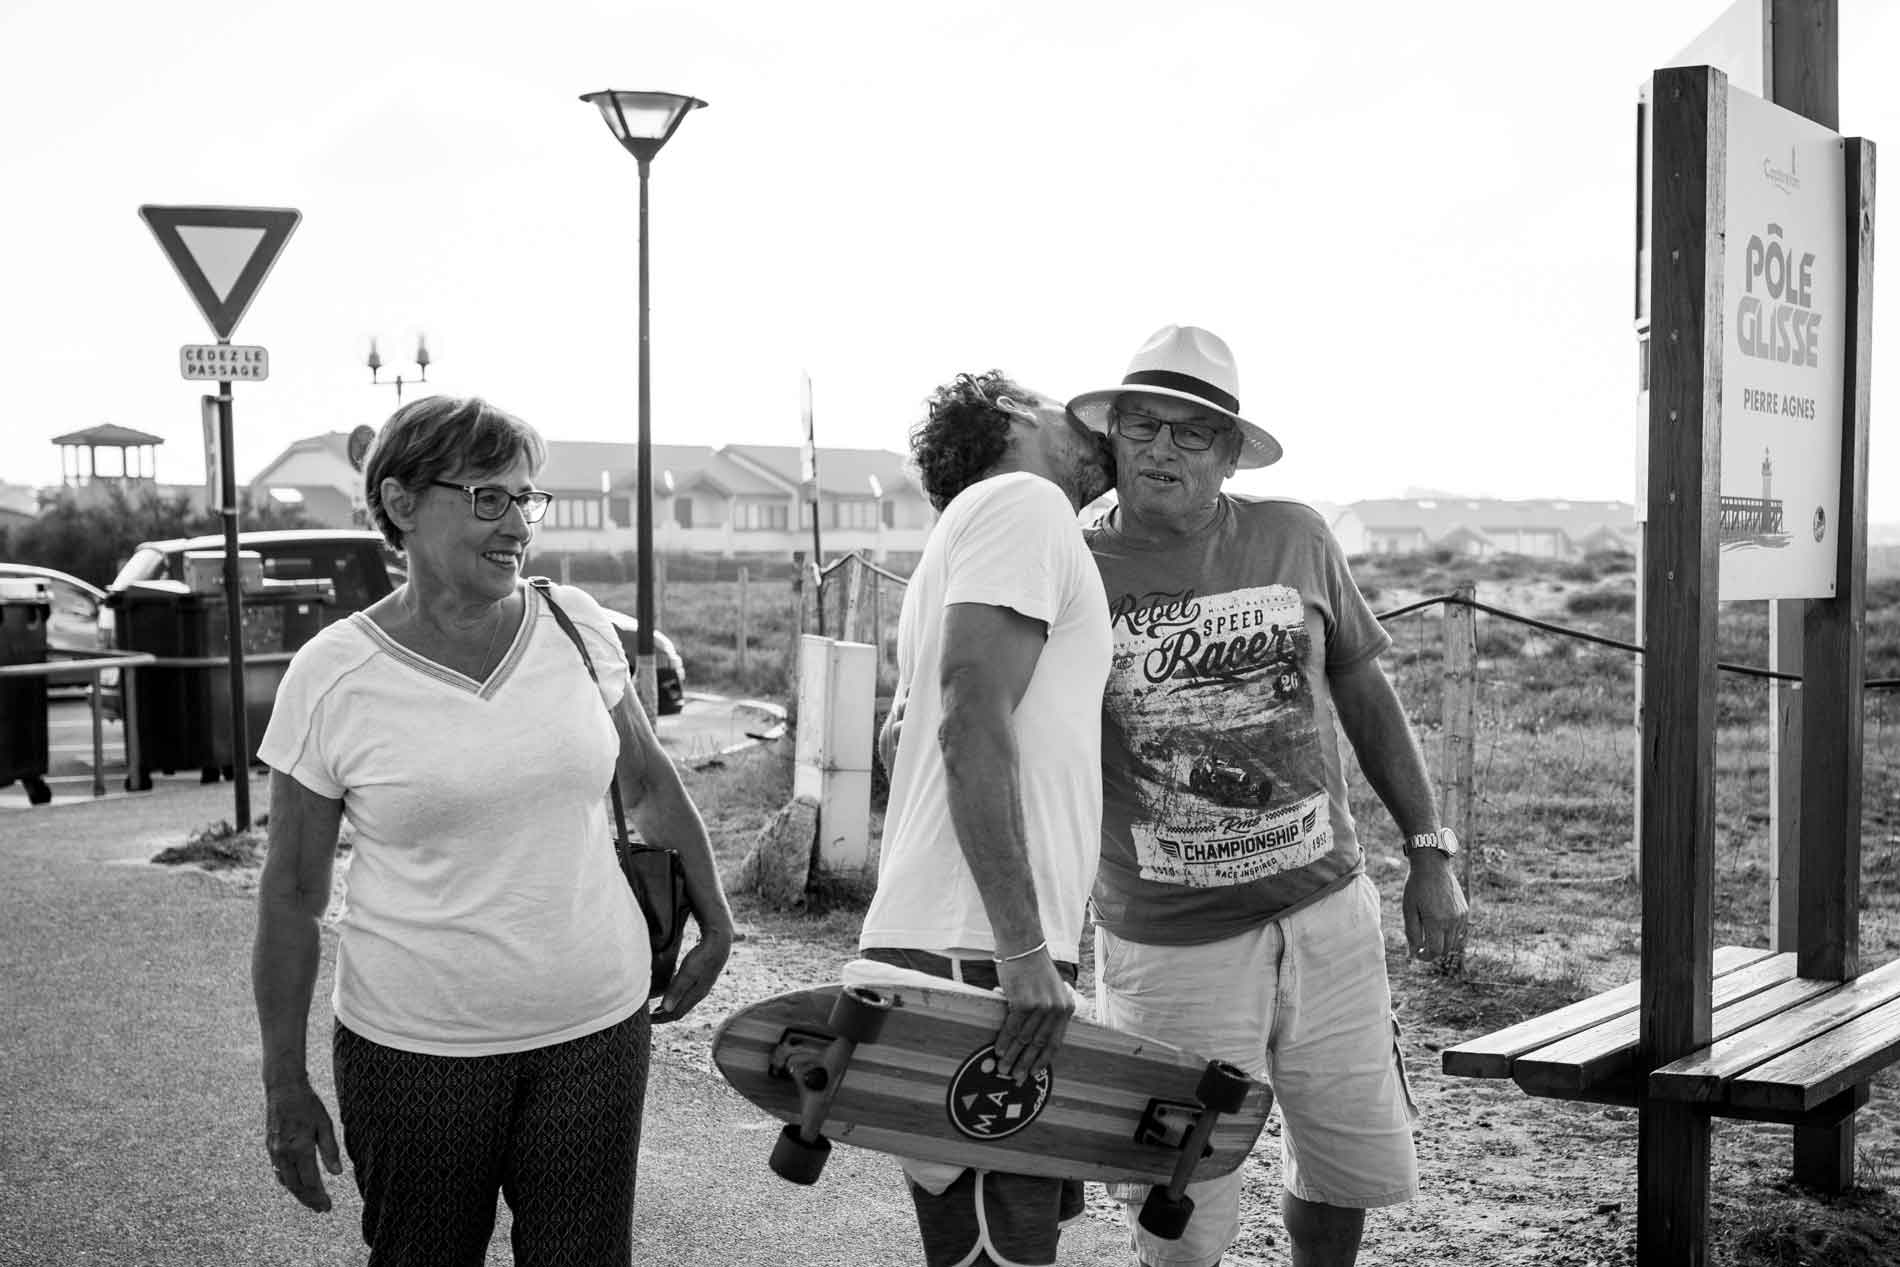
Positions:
{"x": 1388, "y": 752}
{"x": 985, "y": 794}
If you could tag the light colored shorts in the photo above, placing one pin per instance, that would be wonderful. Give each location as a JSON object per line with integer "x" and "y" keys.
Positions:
{"x": 1304, "y": 1002}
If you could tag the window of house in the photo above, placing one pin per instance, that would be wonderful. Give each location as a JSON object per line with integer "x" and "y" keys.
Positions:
{"x": 683, "y": 511}
{"x": 575, "y": 512}
{"x": 757, "y": 516}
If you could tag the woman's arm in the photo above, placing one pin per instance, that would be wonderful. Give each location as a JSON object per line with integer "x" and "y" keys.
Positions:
{"x": 665, "y": 815}
{"x": 292, "y": 894}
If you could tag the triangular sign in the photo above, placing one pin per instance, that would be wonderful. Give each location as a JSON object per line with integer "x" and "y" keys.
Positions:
{"x": 222, "y": 254}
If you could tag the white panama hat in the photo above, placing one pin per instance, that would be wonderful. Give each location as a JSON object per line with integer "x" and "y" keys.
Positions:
{"x": 1184, "y": 363}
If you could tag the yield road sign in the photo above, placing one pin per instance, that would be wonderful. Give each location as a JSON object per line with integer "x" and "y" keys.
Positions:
{"x": 221, "y": 362}
{"x": 222, "y": 254}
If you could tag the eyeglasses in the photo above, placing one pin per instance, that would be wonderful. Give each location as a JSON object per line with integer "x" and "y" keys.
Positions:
{"x": 491, "y": 501}
{"x": 1194, "y": 437}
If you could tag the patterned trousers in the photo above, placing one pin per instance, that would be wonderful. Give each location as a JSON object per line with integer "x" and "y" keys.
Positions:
{"x": 556, "y": 1131}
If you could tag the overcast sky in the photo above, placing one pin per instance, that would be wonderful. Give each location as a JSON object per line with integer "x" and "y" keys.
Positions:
{"x": 1411, "y": 221}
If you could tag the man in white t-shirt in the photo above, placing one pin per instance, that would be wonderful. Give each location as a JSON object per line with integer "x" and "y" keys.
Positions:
{"x": 993, "y": 828}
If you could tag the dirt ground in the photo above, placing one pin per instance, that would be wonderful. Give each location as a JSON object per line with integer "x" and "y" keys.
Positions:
{"x": 1507, "y": 1179}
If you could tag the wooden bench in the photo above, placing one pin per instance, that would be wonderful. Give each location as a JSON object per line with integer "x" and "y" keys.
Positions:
{"x": 1783, "y": 1048}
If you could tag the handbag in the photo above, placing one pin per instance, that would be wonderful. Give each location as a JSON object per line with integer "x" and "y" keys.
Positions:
{"x": 655, "y": 874}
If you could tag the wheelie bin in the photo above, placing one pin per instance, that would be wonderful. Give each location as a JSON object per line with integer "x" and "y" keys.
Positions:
{"x": 184, "y": 711}
{"x": 26, "y": 607}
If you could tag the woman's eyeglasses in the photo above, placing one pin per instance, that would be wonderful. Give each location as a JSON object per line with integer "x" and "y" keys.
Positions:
{"x": 491, "y": 501}
{"x": 1194, "y": 437}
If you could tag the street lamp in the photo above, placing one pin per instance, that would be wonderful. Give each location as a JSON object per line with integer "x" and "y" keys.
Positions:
{"x": 375, "y": 363}
{"x": 642, "y": 122}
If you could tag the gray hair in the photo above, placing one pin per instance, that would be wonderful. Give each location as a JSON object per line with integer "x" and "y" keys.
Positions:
{"x": 426, "y": 439}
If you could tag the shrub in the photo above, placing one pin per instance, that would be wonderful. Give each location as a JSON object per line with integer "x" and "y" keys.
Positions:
{"x": 1596, "y": 601}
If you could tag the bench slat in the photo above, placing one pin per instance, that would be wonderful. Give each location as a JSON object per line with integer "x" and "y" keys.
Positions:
{"x": 1708, "y": 1076}
{"x": 1492, "y": 1055}
{"x": 1819, "y": 1069}
{"x": 1567, "y": 1069}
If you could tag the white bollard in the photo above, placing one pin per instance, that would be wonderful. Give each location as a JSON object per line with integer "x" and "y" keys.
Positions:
{"x": 837, "y": 685}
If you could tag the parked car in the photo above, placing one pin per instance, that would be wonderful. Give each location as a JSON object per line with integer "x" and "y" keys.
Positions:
{"x": 361, "y": 567}
{"x": 669, "y": 671}
{"x": 74, "y": 629}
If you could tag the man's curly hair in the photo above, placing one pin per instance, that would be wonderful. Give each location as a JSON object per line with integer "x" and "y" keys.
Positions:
{"x": 964, "y": 433}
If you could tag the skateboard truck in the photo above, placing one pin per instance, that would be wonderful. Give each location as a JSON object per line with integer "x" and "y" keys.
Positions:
{"x": 816, "y": 1062}
{"x": 1223, "y": 1089}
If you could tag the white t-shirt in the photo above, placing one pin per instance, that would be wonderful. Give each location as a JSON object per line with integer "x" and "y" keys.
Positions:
{"x": 1007, "y": 541}
{"x": 485, "y": 910}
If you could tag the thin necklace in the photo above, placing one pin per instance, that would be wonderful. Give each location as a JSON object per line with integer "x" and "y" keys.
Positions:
{"x": 501, "y": 612}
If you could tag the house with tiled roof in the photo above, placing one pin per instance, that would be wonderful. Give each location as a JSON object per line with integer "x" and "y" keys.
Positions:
{"x": 1547, "y": 528}
{"x": 733, "y": 500}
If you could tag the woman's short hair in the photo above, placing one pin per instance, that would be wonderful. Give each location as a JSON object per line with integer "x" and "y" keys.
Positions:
{"x": 964, "y": 433}
{"x": 428, "y": 439}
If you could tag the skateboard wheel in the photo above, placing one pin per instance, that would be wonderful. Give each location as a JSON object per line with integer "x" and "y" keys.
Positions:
{"x": 1223, "y": 1087}
{"x": 858, "y": 1015}
{"x": 1165, "y": 1216}
{"x": 798, "y": 1162}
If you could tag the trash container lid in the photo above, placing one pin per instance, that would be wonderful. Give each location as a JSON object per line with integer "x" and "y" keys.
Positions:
{"x": 24, "y": 589}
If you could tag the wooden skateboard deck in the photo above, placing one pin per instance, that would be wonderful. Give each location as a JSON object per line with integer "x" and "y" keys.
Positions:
{"x": 1114, "y": 1107}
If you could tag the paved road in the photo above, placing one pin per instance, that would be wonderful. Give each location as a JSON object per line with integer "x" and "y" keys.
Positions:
{"x": 129, "y": 1106}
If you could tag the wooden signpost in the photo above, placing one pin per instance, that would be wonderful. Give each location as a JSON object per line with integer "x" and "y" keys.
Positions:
{"x": 1695, "y": 325}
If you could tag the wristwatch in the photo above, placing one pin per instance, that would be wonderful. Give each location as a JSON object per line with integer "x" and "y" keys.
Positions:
{"x": 1444, "y": 840}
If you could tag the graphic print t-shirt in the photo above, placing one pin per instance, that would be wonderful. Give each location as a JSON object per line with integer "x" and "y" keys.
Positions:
{"x": 1224, "y": 795}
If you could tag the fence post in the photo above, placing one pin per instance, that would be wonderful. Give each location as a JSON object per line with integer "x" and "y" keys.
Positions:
{"x": 1460, "y": 707}
{"x": 567, "y": 566}
{"x": 745, "y": 619}
{"x": 853, "y": 592}
{"x": 798, "y": 624}
{"x": 877, "y": 616}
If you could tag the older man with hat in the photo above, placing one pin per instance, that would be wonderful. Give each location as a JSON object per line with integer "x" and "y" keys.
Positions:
{"x": 1234, "y": 915}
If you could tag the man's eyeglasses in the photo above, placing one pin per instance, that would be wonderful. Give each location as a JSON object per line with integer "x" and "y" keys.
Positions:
{"x": 491, "y": 501}
{"x": 1195, "y": 437}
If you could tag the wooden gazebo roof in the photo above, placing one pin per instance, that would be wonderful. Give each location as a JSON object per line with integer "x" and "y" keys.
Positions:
{"x": 109, "y": 435}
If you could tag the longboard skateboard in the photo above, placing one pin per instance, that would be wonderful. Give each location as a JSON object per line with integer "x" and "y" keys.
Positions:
{"x": 902, "y": 1063}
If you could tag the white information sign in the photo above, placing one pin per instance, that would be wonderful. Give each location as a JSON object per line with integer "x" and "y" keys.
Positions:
{"x": 1783, "y": 322}
{"x": 223, "y": 363}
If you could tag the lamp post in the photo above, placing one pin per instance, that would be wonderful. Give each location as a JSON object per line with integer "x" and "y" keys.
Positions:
{"x": 375, "y": 363}
{"x": 642, "y": 122}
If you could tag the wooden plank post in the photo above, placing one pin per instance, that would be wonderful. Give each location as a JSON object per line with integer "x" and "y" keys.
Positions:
{"x": 853, "y": 595}
{"x": 1834, "y": 631}
{"x": 1806, "y": 878}
{"x": 1803, "y": 67}
{"x": 798, "y": 625}
{"x": 1689, "y": 125}
{"x": 1460, "y": 710}
{"x": 745, "y": 620}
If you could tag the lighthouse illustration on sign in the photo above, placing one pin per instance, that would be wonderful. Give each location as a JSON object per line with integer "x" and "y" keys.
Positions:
{"x": 1749, "y": 523}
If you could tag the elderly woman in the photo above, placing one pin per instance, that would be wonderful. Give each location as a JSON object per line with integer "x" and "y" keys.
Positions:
{"x": 492, "y": 967}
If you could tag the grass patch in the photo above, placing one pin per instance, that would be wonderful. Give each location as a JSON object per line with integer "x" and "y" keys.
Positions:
{"x": 217, "y": 846}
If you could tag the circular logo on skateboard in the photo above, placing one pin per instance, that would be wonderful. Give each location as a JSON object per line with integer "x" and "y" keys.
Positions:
{"x": 985, "y": 1105}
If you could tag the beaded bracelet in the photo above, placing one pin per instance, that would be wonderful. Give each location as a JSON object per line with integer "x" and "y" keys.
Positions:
{"x": 1036, "y": 949}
